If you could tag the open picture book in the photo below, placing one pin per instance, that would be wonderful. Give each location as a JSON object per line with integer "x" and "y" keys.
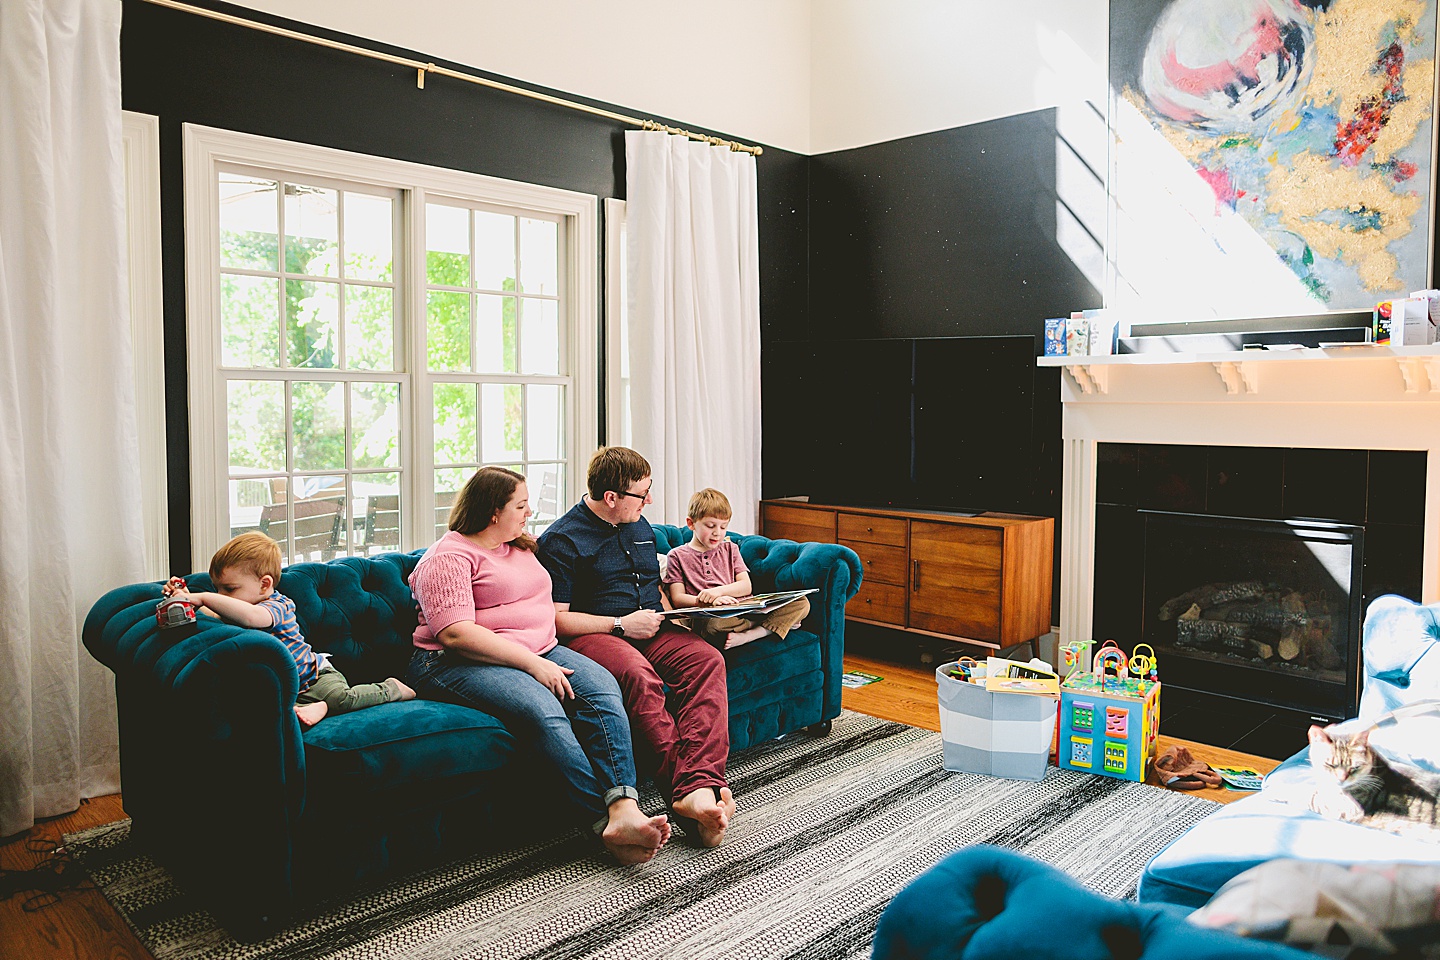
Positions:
{"x": 755, "y": 603}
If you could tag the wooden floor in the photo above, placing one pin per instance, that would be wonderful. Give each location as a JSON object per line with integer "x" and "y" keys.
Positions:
{"x": 81, "y": 924}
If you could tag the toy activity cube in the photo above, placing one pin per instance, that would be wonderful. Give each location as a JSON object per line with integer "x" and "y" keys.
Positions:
{"x": 1109, "y": 722}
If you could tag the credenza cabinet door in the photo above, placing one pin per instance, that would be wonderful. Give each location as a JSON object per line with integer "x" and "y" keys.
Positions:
{"x": 955, "y": 579}
{"x": 801, "y": 524}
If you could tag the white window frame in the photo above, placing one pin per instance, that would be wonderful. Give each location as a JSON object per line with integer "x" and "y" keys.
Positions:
{"x": 206, "y": 148}
{"x": 140, "y": 140}
{"x": 617, "y": 398}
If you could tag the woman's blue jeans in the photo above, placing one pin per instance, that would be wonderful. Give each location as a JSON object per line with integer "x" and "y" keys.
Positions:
{"x": 587, "y": 738}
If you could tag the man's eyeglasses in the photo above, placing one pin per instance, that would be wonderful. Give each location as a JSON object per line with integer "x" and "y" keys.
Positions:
{"x": 642, "y": 497}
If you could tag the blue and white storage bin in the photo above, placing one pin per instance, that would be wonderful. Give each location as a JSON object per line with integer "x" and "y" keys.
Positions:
{"x": 996, "y": 734}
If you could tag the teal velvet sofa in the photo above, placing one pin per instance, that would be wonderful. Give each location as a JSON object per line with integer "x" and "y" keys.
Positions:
{"x": 988, "y": 903}
{"x": 255, "y": 816}
{"x": 1400, "y": 648}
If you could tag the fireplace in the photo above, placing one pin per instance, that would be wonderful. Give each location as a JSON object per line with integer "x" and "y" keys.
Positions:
{"x": 1249, "y": 569}
{"x": 1347, "y": 435}
{"x": 1266, "y": 611}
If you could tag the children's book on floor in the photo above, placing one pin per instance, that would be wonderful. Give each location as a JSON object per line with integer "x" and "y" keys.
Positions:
{"x": 1240, "y": 778}
{"x": 856, "y": 679}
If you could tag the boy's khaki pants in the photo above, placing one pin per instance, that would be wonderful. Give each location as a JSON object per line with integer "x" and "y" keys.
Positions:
{"x": 779, "y": 621}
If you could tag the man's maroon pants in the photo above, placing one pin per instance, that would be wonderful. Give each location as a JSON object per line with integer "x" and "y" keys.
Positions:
{"x": 691, "y": 743}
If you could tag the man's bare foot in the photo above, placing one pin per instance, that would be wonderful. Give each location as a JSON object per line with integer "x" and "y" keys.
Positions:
{"x": 711, "y": 816}
{"x": 630, "y": 836}
{"x": 744, "y": 636}
{"x": 398, "y": 690}
{"x": 311, "y": 713}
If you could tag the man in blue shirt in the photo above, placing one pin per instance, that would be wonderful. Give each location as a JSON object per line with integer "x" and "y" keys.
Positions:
{"x": 605, "y": 574}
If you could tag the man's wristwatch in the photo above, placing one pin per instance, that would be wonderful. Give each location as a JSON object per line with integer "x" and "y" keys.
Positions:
{"x": 618, "y": 628}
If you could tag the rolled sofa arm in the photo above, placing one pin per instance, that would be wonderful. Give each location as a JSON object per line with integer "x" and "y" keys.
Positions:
{"x": 211, "y": 753}
{"x": 831, "y": 569}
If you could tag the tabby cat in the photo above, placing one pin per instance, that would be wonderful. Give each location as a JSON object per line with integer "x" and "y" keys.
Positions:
{"x": 1359, "y": 785}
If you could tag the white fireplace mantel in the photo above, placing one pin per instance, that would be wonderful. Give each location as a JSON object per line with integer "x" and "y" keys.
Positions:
{"x": 1359, "y": 397}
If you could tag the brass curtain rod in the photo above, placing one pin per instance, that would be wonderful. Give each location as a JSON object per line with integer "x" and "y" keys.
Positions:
{"x": 423, "y": 68}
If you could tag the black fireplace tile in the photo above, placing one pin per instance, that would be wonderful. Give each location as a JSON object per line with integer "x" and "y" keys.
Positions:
{"x": 1396, "y": 491}
{"x": 1394, "y": 555}
{"x": 1277, "y": 738}
{"x": 1218, "y": 728}
{"x": 1246, "y": 482}
{"x": 1326, "y": 484}
{"x": 1116, "y": 473}
{"x": 1172, "y": 478}
{"x": 1119, "y": 574}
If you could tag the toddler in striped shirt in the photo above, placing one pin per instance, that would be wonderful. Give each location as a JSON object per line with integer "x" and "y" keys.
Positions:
{"x": 245, "y": 572}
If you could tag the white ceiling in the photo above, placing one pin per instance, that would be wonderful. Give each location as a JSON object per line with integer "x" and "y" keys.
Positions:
{"x": 806, "y": 75}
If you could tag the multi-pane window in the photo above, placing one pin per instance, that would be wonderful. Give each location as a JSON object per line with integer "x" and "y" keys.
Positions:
{"x": 364, "y": 333}
{"x": 495, "y": 350}
{"x": 308, "y": 349}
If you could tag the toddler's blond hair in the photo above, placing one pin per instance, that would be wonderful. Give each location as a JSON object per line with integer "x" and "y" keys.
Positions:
{"x": 252, "y": 552}
{"x": 709, "y": 503}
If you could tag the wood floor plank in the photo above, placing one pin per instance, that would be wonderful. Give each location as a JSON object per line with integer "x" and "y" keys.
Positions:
{"x": 78, "y": 924}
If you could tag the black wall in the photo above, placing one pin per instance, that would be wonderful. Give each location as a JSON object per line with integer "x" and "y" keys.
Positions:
{"x": 949, "y": 234}
{"x": 185, "y": 68}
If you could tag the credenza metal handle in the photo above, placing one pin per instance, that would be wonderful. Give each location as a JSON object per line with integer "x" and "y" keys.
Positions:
{"x": 915, "y": 575}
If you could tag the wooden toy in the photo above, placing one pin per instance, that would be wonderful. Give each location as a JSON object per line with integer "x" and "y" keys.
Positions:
{"x": 1110, "y": 717}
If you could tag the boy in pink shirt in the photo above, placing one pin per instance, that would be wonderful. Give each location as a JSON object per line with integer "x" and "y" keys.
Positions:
{"x": 708, "y": 571}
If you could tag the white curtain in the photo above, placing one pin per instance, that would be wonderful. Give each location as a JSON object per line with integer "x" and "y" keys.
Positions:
{"x": 693, "y": 275}
{"x": 70, "y": 506}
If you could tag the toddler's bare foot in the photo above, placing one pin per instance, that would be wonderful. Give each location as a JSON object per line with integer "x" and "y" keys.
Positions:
{"x": 398, "y": 690}
{"x": 711, "y": 816}
{"x": 630, "y": 836}
{"x": 311, "y": 713}
{"x": 744, "y": 636}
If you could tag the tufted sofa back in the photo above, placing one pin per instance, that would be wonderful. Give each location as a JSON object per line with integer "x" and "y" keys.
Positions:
{"x": 988, "y": 903}
{"x": 357, "y": 609}
{"x": 766, "y": 558}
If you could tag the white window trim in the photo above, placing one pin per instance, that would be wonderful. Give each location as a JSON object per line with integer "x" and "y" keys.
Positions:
{"x": 140, "y": 139}
{"x": 205, "y": 148}
{"x": 614, "y": 317}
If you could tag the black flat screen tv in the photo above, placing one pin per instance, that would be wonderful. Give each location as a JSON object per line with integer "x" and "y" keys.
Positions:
{"x": 943, "y": 423}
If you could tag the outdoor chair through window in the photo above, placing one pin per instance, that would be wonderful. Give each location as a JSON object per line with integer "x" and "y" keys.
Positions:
{"x": 319, "y": 526}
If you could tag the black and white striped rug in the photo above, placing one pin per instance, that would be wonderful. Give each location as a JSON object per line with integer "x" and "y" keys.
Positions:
{"x": 828, "y": 830}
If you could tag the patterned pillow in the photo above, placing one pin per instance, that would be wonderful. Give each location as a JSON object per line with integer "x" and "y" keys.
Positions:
{"x": 1337, "y": 910}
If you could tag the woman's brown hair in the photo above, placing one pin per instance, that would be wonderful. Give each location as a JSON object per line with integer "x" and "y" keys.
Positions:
{"x": 482, "y": 498}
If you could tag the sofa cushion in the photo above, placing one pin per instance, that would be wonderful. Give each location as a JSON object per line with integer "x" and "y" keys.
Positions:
{"x": 394, "y": 748}
{"x": 987, "y": 903}
{"x": 1257, "y": 829}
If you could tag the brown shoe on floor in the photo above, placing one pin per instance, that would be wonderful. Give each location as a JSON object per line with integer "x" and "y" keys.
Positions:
{"x": 1178, "y": 769}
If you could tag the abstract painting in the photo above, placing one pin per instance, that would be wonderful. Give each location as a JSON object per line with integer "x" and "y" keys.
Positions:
{"x": 1270, "y": 157}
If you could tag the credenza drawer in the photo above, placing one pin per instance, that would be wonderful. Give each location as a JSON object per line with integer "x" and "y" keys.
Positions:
{"x": 881, "y": 564}
{"x": 798, "y": 523}
{"x": 872, "y": 529}
{"x": 884, "y": 602}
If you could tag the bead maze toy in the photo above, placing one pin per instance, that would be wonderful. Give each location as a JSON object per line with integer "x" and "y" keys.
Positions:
{"x": 1110, "y": 715}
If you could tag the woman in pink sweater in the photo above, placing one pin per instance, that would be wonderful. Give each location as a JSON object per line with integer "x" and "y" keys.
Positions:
{"x": 486, "y": 640}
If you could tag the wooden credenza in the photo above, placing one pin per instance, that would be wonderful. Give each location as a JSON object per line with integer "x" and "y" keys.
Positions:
{"x": 985, "y": 579}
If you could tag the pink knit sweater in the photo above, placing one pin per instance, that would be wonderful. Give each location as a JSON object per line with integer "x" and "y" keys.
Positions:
{"x": 505, "y": 590}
